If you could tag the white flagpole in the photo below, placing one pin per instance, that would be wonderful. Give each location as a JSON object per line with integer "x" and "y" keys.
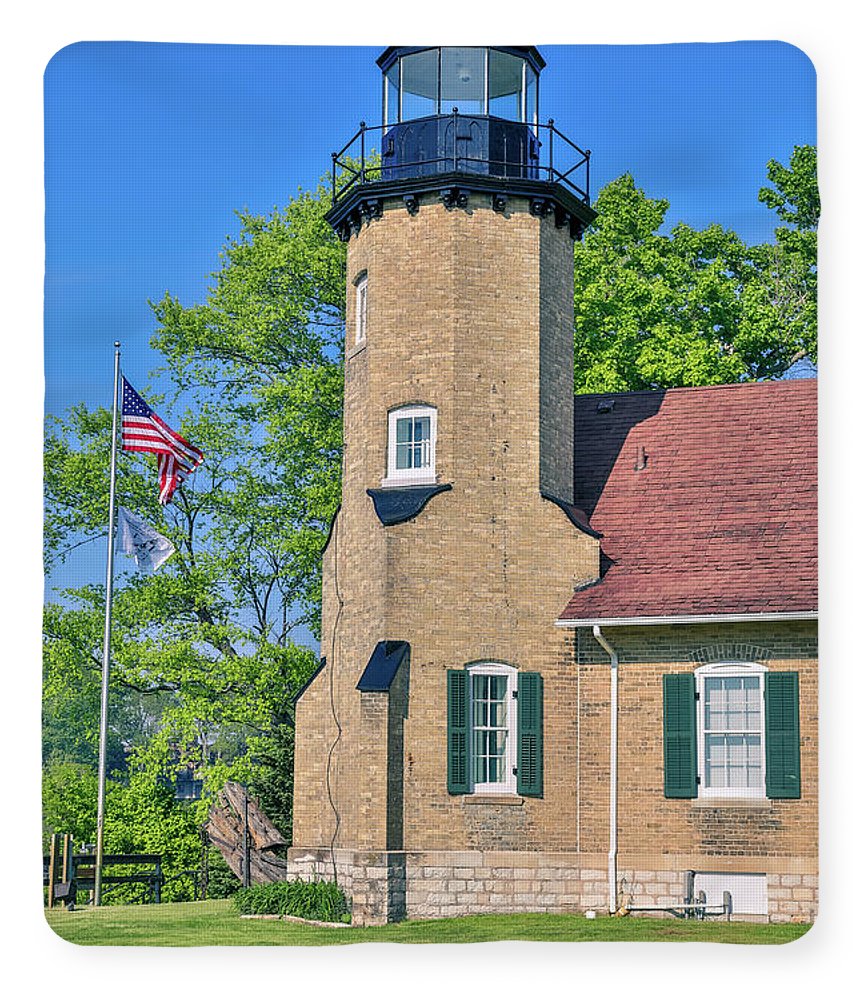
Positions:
{"x": 106, "y": 642}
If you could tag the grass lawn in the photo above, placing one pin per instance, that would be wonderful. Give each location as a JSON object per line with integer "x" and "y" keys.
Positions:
{"x": 215, "y": 922}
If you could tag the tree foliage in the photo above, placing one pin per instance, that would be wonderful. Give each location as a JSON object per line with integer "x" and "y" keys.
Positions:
{"x": 267, "y": 344}
{"x": 203, "y": 663}
{"x": 204, "y": 667}
{"x": 695, "y": 307}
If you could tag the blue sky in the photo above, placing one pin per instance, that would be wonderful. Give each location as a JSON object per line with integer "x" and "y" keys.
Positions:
{"x": 151, "y": 147}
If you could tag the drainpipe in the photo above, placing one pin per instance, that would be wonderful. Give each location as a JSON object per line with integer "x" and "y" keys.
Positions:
{"x": 611, "y": 854}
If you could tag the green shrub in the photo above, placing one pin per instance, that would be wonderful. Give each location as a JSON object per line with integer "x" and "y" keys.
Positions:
{"x": 310, "y": 900}
{"x": 222, "y": 881}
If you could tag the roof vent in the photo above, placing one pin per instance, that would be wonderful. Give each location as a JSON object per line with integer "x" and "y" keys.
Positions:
{"x": 605, "y": 405}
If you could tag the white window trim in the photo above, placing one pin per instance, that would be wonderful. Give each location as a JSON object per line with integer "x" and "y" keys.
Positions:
{"x": 410, "y": 477}
{"x": 361, "y": 305}
{"x": 729, "y": 668}
{"x": 509, "y": 786}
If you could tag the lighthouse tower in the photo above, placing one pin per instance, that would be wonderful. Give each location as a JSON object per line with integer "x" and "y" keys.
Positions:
{"x": 440, "y": 726}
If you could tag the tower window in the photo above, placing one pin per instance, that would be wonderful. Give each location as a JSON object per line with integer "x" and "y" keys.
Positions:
{"x": 495, "y": 730}
{"x": 361, "y": 308}
{"x": 494, "y": 721}
{"x": 411, "y": 446}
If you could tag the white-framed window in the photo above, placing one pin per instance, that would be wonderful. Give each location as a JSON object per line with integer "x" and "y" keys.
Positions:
{"x": 411, "y": 446}
{"x": 493, "y": 728}
{"x": 730, "y": 730}
{"x": 361, "y": 308}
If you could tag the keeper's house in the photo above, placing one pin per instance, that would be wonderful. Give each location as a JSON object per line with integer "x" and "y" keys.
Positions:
{"x": 569, "y": 643}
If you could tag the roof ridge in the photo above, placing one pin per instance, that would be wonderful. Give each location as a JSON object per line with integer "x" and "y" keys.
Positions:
{"x": 695, "y": 388}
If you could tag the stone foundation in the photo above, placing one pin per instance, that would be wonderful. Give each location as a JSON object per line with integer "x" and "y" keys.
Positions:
{"x": 394, "y": 885}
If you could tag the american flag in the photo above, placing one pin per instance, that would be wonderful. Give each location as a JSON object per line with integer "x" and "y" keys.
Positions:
{"x": 143, "y": 430}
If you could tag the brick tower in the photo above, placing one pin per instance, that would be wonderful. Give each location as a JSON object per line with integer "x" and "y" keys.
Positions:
{"x": 457, "y": 543}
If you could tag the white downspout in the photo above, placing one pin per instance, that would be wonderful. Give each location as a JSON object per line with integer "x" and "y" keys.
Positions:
{"x": 611, "y": 854}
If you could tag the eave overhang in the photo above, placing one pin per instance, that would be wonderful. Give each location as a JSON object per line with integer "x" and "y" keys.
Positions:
{"x": 740, "y": 616}
{"x": 530, "y": 52}
{"x": 366, "y": 201}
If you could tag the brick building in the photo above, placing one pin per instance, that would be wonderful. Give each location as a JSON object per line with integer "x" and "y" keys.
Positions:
{"x": 569, "y": 644}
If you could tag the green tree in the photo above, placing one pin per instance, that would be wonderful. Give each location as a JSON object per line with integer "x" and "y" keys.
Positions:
{"x": 267, "y": 345}
{"x": 202, "y": 656}
{"x": 204, "y": 666}
{"x": 695, "y": 307}
{"x": 790, "y": 265}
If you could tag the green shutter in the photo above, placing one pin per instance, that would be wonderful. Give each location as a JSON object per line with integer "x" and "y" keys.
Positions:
{"x": 782, "y": 734}
{"x": 458, "y": 732}
{"x": 680, "y": 736}
{"x": 530, "y": 744}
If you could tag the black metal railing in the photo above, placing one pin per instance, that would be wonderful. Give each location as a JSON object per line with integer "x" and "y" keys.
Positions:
{"x": 472, "y": 144}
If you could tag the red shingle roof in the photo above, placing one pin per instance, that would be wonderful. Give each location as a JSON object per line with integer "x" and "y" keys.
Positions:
{"x": 723, "y": 517}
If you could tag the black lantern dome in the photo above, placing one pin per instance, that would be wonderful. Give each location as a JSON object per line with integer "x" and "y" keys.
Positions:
{"x": 457, "y": 119}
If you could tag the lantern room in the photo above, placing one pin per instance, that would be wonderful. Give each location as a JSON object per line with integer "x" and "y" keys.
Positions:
{"x": 471, "y": 80}
{"x": 455, "y": 120}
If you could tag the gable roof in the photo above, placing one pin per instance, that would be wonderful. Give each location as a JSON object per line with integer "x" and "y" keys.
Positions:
{"x": 706, "y": 499}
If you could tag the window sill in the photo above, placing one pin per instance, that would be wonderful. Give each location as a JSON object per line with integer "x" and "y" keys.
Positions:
{"x": 723, "y": 802}
{"x": 392, "y": 483}
{"x": 491, "y": 799}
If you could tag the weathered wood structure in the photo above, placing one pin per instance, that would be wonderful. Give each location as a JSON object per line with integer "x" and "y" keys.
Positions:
{"x": 250, "y": 843}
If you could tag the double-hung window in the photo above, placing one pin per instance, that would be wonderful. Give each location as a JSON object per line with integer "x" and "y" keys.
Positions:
{"x": 494, "y": 718}
{"x": 495, "y": 730}
{"x": 732, "y": 731}
{"x": 411, "y": 446}
{"x": 730, "y": 708}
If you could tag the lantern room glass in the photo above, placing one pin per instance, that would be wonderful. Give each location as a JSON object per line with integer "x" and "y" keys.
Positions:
{"x": 419, "y": 84}
{"x": 463, "y": 84}
{"x": 505, "y": 87}
{"x": 473, "y": 79}
{"x": 391, "y": 94}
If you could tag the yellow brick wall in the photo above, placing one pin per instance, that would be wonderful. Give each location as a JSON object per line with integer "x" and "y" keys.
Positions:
{"x": 470, "y": 311}
{"x": 649, "y": 823}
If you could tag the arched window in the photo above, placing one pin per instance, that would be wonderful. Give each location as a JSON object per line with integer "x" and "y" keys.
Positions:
{"x": 493, "y": 715}
{"x": 495, "y": 730}
{"x": 732, "y": 731}
{"x": 411, "y": 446}
{"x": 361, "y": 308}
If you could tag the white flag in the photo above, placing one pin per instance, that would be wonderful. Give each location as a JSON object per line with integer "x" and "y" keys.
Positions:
{"x": 138, "y": 539}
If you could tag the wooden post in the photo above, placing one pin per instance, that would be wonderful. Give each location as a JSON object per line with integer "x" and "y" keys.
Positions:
{"x": 157, "y": 883}
{"x": 67, "y": 872}
{"x": 67, "y": 858}
{"x": 52, "y": 867}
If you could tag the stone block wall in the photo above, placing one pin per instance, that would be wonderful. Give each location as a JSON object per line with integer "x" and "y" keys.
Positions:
{"x": 388, "y": 886}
